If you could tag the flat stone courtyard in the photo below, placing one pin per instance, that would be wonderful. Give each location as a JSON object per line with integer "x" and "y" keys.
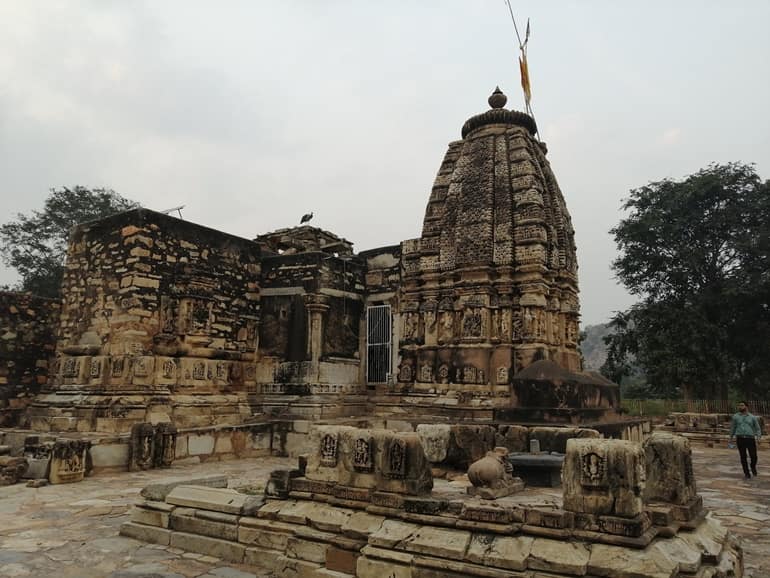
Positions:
{"x": 71, "y": 531}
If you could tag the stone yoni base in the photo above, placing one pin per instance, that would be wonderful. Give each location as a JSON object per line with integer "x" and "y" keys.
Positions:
{"x": 297, "y": 537}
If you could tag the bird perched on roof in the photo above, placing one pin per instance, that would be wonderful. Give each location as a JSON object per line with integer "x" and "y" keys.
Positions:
{"x": 305, "y": 218}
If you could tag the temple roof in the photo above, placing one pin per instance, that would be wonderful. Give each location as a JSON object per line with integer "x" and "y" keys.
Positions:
{"x": 495, "y": 200}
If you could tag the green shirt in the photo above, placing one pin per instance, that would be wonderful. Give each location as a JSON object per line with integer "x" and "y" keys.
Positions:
{"x": 744, "y": 425}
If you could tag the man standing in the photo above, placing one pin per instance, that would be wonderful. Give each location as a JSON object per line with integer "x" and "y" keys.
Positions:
{"x": 745, "y": 429}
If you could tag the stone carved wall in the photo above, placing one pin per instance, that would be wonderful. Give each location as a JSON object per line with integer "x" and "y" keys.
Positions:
{"x": 143, "y": 292}
{"x": 28, "y": 327}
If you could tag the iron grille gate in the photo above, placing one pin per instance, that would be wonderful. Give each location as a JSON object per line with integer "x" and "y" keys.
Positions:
{"x": 377, "y": 343}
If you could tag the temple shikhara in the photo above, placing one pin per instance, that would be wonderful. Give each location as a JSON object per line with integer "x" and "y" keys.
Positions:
{"x": 429, "y": 390}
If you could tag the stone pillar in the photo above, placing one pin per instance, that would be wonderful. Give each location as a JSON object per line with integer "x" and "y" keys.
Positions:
{"x": 316, "y": 307}
{"x": 603, "y": 483}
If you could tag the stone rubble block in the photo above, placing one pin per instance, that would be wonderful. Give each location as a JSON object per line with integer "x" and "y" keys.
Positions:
{"x": 144, "y": 533}
{"x": 370, "y": 568}
{"x": 509, "y": 552}
{"x": 391, "y": 533}
{"x": 361, "y": 525}
{"x": 226, "y": 529}
{"x": 158, "y": 492}
{"x": 558, "y": 556}
{"x": 152, "y": 514}
{"x": 229, "y": 551}
{"x": 286, "y": 566}
{"x": 434, "y": 439}
{"x": 669, "y": 470}
{"x": 295, "y": 512}
{"x": 269, "y": 534}
{"x": 328, "y": 518}
{"x": 620, "y": 562}
{"x": 308, "y": 550}
{"x": 603, "y": 477}
{"x": 443, "y": 542}
{"x": 217, "y": 499}
{"x": 708, "y": 538}
{"x": 262, "y": 557}
{"x": 679, "y": 552}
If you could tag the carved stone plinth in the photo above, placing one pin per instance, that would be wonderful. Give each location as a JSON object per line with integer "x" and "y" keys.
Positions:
{"x": 68, "y": 461}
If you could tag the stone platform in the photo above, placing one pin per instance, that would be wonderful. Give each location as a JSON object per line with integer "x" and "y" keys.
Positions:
{"x": 447, "y": 535}
{"x": 364, "y": 504}
{"x": 43, "y": 531}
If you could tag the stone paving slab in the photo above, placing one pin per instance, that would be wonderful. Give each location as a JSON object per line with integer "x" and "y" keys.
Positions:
{"x": 71, "y": 531}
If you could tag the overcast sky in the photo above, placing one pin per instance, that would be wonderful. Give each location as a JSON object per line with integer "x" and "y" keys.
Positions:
{"x": 252, "y": 113}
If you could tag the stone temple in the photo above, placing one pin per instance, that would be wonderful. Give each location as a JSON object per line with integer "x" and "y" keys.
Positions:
{"x": 388, "y": 373}
{"x": 165, "y": 320}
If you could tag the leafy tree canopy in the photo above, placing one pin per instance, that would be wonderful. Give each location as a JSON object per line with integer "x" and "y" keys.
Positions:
{"x": 36, "y": 244}
{"x": 697, "y": 254}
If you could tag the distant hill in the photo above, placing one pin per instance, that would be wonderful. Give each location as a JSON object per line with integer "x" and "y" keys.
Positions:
{"x": 592, "y": 347}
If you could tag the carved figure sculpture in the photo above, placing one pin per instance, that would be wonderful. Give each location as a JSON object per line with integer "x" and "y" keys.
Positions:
{"x": 165, "y": 445}
{"x": 492, "y": 476}
{"x": 142, "y": 447}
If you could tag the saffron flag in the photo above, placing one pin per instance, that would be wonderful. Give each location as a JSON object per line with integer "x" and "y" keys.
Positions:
{"x": 525, "y": 77}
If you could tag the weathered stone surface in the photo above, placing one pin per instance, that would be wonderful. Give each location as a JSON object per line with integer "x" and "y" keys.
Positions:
{"x": 269, "y": 534}
{"x": 620, "y": 562}
{"x": 68, "y": 461}
{"x": 442, "y": 542}
{"x": 558, "y": 556}
{"x": 328, "y": 518}
{"x": 230, "y": 551}
{"x": 435, "y": 441}
{"x": 11, "y": 469}
{"x": 680, "y": 552}
{"x": 152, "y": 514}
{"x": 392, "y": 532}
{"x": 192, "y": 524}
{"x": 371, "y": 568}
{"x": 668, "y": 462}
{"x": 158, "y": 492}
{"x": 603, "y": 477}
{"x": 361, "y": 525}
{"x": 369, "y": 458}
{"x": 469, "y": 443}
{"x": 145, "y": 533}
{"x": 216, "y": 499}
{"x": 554, "y": 439}
{"x": 513, "y": 437}
{"x": 262, "y": 557}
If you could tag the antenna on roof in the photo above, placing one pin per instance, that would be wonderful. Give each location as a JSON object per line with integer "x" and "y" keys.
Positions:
{"x": 172, "y": 209}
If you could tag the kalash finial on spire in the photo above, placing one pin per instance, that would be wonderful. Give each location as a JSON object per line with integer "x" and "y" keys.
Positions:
{"x": 497, "y": 99}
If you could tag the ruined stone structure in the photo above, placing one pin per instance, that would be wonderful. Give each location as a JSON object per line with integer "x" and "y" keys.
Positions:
{"x": 28, "y": 327}
{"x": 363, "y": 505}
{"x": 168, "y": 321}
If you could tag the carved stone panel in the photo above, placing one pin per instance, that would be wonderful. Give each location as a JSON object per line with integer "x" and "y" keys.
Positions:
{"x": 68, "y": 461}
{"x": 164, "y": 445}
{"x": 141, "y": 447}
{"x": 396, "y": 459}
{"x": 328, "y": 450}
{"x": 593, "y": 471}
{"x": 363, "y": 454}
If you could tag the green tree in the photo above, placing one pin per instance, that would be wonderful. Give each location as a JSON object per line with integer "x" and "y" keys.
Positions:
{"x": 697, "y": 254}
{"x": 36, "y": 244}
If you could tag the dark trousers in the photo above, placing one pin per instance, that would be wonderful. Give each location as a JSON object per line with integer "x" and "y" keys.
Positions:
{"x": 748, "y": 444}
